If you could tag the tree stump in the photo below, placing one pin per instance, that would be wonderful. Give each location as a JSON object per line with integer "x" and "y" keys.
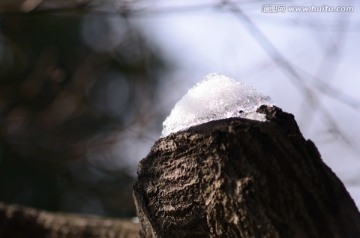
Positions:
{"x": 242, "y": 178}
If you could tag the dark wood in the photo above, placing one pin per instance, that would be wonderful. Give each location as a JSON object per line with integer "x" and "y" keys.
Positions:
{"x": 242, "y": 178}
{"x": 24, "y": 222}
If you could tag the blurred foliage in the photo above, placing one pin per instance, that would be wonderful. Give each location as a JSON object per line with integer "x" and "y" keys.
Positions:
{"x": 70, "y": 84}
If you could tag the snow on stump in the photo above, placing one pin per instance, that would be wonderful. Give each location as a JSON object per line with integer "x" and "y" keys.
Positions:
{"x": 240, "y": 177}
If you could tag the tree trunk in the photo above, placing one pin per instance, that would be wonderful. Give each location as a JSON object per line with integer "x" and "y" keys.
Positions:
{"x": 242, "y": 178}
{"x": 24, "y": 222}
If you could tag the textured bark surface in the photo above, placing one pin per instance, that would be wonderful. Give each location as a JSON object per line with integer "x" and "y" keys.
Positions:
{"x": 242, "y": 178}
{"x": 24, "y": 222}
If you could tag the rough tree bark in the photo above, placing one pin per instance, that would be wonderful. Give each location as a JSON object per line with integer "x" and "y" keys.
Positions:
{"x": 242, "y": 178}
{"x": 25, "y": 222}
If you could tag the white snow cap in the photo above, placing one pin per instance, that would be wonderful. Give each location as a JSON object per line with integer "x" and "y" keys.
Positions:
{"x": 213, "y": 98}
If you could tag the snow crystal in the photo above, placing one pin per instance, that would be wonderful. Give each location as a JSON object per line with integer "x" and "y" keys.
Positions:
{"x": 215, "y": 97}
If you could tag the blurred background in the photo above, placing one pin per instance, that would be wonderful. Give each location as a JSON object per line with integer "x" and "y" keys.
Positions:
{"x": 86, "y": 84}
